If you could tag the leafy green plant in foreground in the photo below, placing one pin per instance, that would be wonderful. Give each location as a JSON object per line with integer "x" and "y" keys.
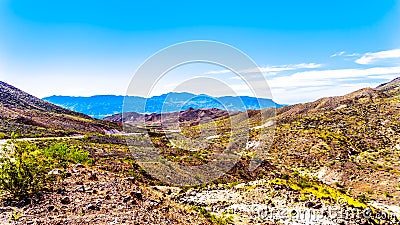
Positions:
{"x": 24, "y": 168}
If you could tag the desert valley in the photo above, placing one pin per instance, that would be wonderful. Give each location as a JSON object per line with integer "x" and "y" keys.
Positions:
{"x": 342, "y": 153}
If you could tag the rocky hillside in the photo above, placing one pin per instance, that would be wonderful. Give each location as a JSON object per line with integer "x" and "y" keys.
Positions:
{"x": 337, "y": 153}
{"x": 92, "y": 197}
{"x": 29, "y": 116}
{"x": 351, "y": 141}
{"x": 338, "y": 149}
{"x": 188, "y": 117}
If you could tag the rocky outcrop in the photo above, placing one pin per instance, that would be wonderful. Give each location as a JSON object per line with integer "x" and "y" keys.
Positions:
{"x": 190, "y": 116}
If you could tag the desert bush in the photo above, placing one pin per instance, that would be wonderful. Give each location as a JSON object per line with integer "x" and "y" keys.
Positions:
{"x": 24, "y": 167}
{"x": 21, "y": 172}
{"x": 62, "y": 155}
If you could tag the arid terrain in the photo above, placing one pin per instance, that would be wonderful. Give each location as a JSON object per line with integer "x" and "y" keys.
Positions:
{"x": 337, "y": 154}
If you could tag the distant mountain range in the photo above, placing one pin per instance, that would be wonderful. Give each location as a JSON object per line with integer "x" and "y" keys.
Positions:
{"x": 29, "y": 116}
{"x": 101, "y": 106}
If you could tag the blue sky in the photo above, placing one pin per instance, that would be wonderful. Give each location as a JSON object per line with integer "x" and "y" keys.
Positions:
{"x": 306, "y": 49}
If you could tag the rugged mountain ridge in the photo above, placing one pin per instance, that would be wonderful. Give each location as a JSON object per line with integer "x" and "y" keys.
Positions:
{"x": 190, "y": 117}
{"x": 29, "y": 116}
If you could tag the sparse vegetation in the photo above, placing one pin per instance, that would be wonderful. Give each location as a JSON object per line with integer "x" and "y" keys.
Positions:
{"x": 213, "y": 218}
{"x": 24, "y": 167}
{"x": 335, "y": 151}
{"x": 387, "y": 194}
{"x": 319, "y": 190}
{"x": 2, "y": 135}
{"x": 363, "y": 198}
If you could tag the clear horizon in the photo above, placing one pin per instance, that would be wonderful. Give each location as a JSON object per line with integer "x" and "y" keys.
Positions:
{"x": 306, "y": 50}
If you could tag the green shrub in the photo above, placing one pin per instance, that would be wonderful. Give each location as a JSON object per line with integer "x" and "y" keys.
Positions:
{"x": 24, "y": 167}
{"x": 62, "y": 155}
{"x": 21, "y": 172}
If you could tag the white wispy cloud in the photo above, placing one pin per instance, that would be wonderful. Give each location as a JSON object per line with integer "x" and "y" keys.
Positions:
{"x": 315, "y": 75}
{"x": 372, "y": 57}
{"x": 308, "y": 81}
{"x": 271, "y": 69}
{"x": 316, "y": 78}
{"x": 307, "y": 94}
{"x": 313, "y": 84}
{"x": 308, "y": 84}
{"x": 338, "y": 54}
{"x": 343, "y": 53}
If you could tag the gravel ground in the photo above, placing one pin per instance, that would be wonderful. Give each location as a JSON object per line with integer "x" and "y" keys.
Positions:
{"x": 89, "y": 196}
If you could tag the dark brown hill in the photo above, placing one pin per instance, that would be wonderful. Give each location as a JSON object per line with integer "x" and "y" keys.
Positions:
{"x": 173, "y": 119}
{"x": 29, "y": 116}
